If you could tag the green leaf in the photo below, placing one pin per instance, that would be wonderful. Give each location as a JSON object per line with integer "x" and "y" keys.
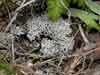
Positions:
{"x": 93, "y": 6}
{"x": 79, "y": 3}
{"x": 86, "y": 17}
{"x": 55, "y": 9}
{"x": 74, "y": 1}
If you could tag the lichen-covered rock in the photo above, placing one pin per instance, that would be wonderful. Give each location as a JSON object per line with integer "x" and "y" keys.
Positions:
{"x": 52, "y": 36}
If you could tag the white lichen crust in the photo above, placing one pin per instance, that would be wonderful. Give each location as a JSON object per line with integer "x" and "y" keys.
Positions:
{"x": 53, "y": 36}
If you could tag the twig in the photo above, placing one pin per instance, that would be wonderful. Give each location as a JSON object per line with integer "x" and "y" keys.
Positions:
{"x": 3, "y": 46}
{"x": 17, "y": 12}
{"x": 83, "y": 35}
{"x": 13, "y": 51}
{"x": 13, "y": 18}
{"x": 24, "y": 5}
{"x": 10, "y": 23}
{"x": 73, "y": 38}
{"x": 44, "y": 62}
{"x": 60, "y": 62}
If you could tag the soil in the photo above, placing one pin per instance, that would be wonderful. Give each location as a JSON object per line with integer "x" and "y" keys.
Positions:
{"x": 34, "y": 45}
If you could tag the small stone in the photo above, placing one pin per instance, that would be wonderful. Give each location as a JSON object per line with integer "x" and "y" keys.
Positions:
{"x": 52, "y": 35}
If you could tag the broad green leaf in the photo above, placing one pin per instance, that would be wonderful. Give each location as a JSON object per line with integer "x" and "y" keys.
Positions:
{"x": 86, "y": 17}
{"x": 79, "y": 3}
{"x": 74, "y": 1}
{"x": 55, "y": 9}
{"x": 76, "y": 12}
{"x": 93, "y": 6}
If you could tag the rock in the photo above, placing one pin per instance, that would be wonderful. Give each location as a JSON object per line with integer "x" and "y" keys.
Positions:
{"x": 52, "y": 36}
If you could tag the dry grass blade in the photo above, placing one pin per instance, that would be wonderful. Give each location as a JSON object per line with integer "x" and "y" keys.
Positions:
{"x": 83, "y": 35}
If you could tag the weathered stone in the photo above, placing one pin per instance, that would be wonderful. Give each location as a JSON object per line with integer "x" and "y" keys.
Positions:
{"x": 52, "y": 35}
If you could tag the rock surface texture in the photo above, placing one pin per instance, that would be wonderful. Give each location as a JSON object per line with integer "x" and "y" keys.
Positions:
{"x": 52, "y": 38}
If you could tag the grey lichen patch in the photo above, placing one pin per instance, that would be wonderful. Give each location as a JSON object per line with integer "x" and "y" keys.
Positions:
{"x": 5, "y": 40}
{"x": 52, "y": 36}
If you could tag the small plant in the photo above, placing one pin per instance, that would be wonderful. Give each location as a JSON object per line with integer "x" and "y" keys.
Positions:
{"x": 86, "y": 10}
{"x": 6, "y": 69}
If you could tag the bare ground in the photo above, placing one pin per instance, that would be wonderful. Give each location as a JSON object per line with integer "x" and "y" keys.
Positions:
{"x": 34, "y": 52}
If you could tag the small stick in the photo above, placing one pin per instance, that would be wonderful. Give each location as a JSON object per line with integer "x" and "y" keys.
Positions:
{"x": 13, "y": 51}
{"x": 16, "y": 13}
{"x": 70, "y": 43}
{"x": 83, "y": 35}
